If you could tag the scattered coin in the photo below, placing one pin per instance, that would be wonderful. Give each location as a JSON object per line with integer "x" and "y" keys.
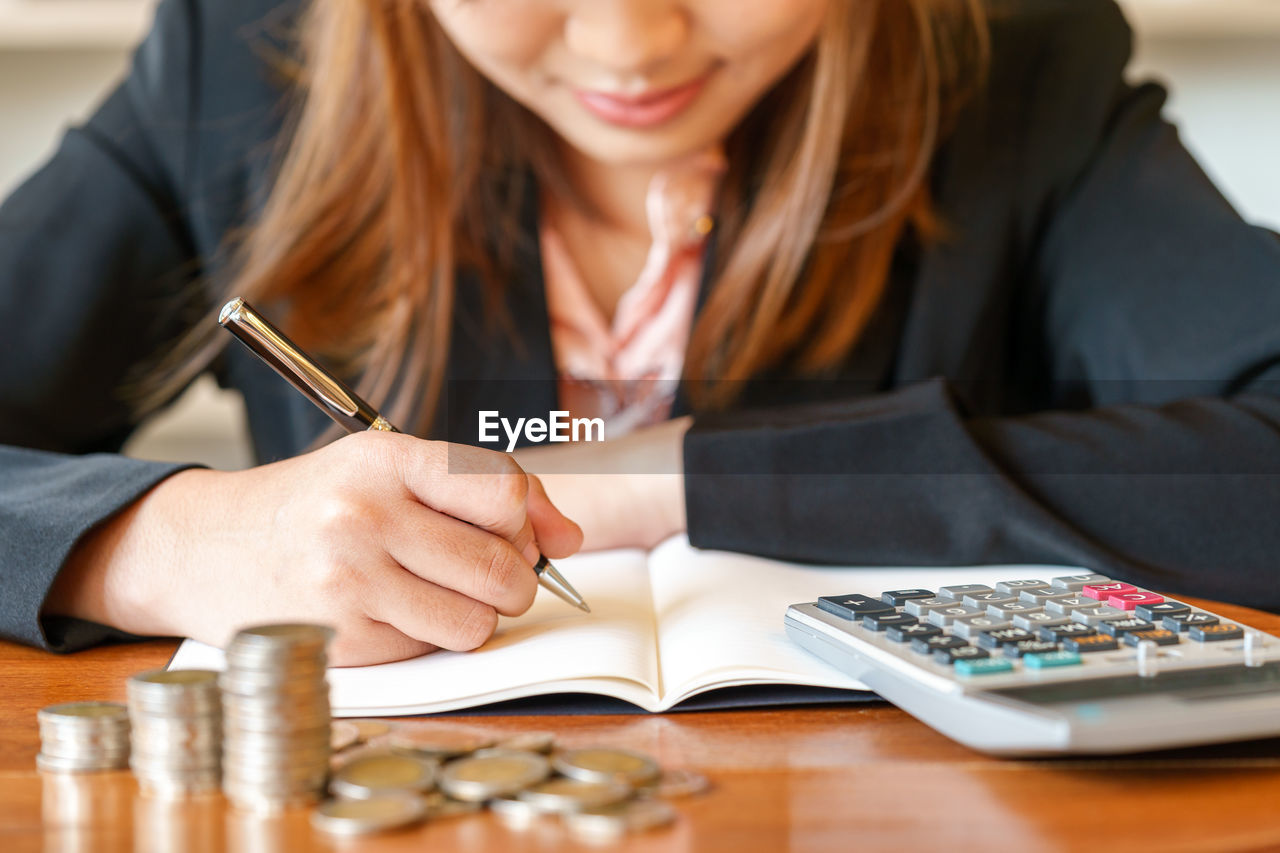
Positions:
{"x": 609, "y": 822}
{"x": 602, "y": 764}
{"x": 557, "y": 796}
{"x": 343, "y": 734}
{"x": 543, "y": 742}
{"x": 370, "y": 729}
{"x": 375, "y": 814}
{"x": 440, "y": 806}
{"x": 380, "y": 773}
{"x": 437, "y": 740}
{"x": 677, "y": 782}
{"x": 515, "y": 812}
{"x": 493, "y": 773}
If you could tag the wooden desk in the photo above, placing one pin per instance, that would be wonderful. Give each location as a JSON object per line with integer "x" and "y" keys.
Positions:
{"x": 851, "y": 778}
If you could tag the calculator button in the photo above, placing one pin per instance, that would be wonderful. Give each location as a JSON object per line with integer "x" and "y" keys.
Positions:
{"x": 965, "y": 652}
{"x": 1159, "y": 636}
{"x": 1186, "y": 621}
{"x": 944, "y": 616}
{"x": 986, "y": 599}
{"x": 929, "y": 645}
{"x": 852, "y": 606}
{"x": 1058, "y": 633}
{"x": 1156, "y": 612}
{"x": 961, "y": 590}
{"x": 1038, "y": 619}
{"x": 906, "y": 633}
{"x": 1051, "y": 659}
{"x": 1130, "y": 600}
{"x": 1094, "y": 643}
{"x": 1098, "y": 615}
{"x": 1015, "y": 587}
{"x": 921, "y": 606}
{"x": 1029, "y": 647}
{"x": 899, "y": 597}
{"x": 970, "y": 628}
{"x": 1118, "y": 627}
{"x": 1103, "y": 591}
{"x": 1214, "y": 633}
{"x": 881, "y": 621}
{"x": 1041, "y": 597}
{"x": 1013, "y": 608}
{"x": 1077, "y": 582}
{"x": 1003, "y": 636}
{"x": 989, "y": 666}
{"x": 1065, "y": 606}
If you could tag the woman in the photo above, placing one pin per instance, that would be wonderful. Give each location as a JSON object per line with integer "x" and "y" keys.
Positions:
{"x": 924, "y": 314}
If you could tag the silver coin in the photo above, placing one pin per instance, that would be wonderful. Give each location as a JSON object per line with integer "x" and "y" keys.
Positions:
{"x": 437, "y": 740}
{"x": 558, "y": 796}
{"x": 610, "y": 822}
{"x": 677, "y": 782}
{"x": 543, "y": 742}
{"x": 515, "y": 812}
{"x": 492, "y": 773}
{"x": 605, "y": 764}
{"x": 361, "y": 817}
{"x": 85, "y": 715}
{"x": 90, "y": 764}
{"x": 374, "y": 774}
{"x": 440, "y": 806}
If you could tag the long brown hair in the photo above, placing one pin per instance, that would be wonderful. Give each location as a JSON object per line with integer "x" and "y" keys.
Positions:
{"x": 400, "y": 171}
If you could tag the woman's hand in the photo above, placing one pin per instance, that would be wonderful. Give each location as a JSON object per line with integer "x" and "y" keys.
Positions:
{"x": 402, "y": 545}
{"x": 626, "y": 493}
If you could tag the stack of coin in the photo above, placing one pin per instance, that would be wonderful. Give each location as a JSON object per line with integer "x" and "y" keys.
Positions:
{"x": 275, "y": 699}
{"x": 177, "y": 731}
{"x": 81, "y": 737}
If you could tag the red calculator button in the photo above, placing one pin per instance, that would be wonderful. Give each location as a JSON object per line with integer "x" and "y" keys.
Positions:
{"x": 1130, "y": 600}
{"x": 1103, "y": 591}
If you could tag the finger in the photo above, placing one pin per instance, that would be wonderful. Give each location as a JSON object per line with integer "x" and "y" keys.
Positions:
{"x": 374, "y": 642}
{"x": 432, "y": 614}
{"x": 557, "y": 534}
{"x": 458, "y": 556}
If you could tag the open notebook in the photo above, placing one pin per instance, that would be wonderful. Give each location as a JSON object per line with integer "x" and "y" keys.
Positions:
{"x": 665, "y": 625}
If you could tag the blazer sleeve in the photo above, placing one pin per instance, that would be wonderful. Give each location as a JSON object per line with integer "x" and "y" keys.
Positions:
{"x": 94, "y": 258}
{"x": 1161, "y": 316}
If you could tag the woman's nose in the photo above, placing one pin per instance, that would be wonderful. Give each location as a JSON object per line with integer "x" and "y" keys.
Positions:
{"x": 629, "y": 36}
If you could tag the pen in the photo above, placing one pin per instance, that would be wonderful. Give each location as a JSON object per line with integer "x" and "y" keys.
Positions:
{"x": 339, "y": 402}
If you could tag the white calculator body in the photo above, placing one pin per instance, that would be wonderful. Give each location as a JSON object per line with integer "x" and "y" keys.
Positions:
{"x": 1074, "y": 664}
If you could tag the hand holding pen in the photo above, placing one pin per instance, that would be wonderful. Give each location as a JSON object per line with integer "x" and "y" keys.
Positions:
{"x": 340, "y": 403}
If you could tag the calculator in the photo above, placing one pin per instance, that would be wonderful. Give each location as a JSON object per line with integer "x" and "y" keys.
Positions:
{"x": 1073, "y": 664}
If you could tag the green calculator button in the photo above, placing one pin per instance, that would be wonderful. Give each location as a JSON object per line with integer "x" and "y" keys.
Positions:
{"x": 1049, "y": 659}
{"x": 985, "y": 666}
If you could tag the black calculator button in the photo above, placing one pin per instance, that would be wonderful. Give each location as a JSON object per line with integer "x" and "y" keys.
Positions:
{"x": 1215, "y": 633}
{"x": 966, "y": 652}
{"x": 1159, "y": 636}
{"x": 881, "y": 621}
{"x": 899, "y": 597}
{"x": 853, "y": 606}
{"x": 1058, "y": 633}
{"x": 1029, "y": 647}
{"x": 1156, "y": 612}
{"x": 1186, "y": 621}
{"x": 929, "y": 645}
{"x": 1004, "y": 636}
{"x": 1095, "y": 643}
{"x": 1120, "y": 627}
{"x": 906, "y": 633}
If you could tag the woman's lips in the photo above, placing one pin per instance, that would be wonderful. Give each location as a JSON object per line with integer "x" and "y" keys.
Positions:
{"x": 644, "y": 110}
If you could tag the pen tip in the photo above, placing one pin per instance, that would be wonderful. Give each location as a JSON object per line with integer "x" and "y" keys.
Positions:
{"x": 582, "y": 605}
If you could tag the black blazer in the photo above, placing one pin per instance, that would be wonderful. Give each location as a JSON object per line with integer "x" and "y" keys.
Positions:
{"x": 1082, "y": 375}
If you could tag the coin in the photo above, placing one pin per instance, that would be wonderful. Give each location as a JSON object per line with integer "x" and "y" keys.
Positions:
{"x": 380, "y": 773}
{"x": 85, "y": 714}
{"x": 608, "y": 822}
{"x": 370, "y": 729}
{"x": 342, "y": 735}
{"x": 542, "y": 742}
{"x": 604, "y": 764}
{"x": 515, "y": 812}
{"x": 572, "y": 795}
{"x": 375, "y": 814}
{"x": 440, "y": 806}
{"x": 677, "y": 782}
{"x": 437, "y": 740}
{"x": 493, "y": 773}
{"x": 83, "y": 737}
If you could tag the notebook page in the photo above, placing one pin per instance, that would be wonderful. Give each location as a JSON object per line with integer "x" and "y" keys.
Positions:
{"x": 552, "y": 648}
{"x": 720, "y": 615}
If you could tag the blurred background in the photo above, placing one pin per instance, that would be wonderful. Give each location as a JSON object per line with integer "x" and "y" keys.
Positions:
{"x": 1220, "y": 58}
